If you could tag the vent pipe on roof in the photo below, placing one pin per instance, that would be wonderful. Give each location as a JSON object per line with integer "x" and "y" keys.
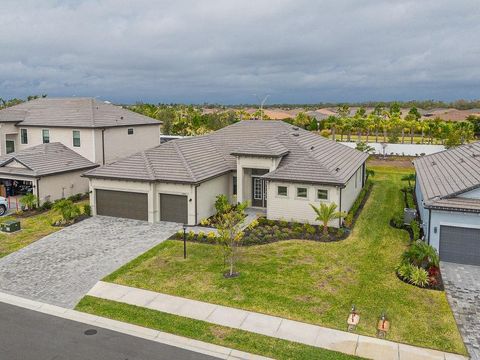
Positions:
{"x": 312, "y": 147}
{"x": 295, "y": 134}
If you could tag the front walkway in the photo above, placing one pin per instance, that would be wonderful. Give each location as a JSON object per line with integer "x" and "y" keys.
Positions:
{"x": 60, "y": 268}
{"x": 273, "y": 326}
{"x": 462, "y": 284}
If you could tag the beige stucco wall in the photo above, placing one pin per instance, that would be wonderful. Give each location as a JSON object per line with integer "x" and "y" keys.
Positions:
{"x": 59, "y": 186}
{"x": 291, "y": 208}
{"x": 119, "y": 144}
{"x": 351, "y": 190}
{"x": 175, "y": 189}
{"x": 207, "y": 193}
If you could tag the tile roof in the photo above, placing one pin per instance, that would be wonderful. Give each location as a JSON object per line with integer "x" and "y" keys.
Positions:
{"x": 446, "y": 175}
{"x": 42, "y": 160}
{"x": 73, "y": 112}
{"x": 307, "y": 157}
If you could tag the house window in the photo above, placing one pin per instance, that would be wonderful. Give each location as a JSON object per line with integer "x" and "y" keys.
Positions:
{"x": 130, "y": 131}
{"x": 282, "y": 191}
{"x": 322, "y": 194}
{"x": 234, "y": 185}
{"x": 9, "y": 146}
{"x": 46, "y": 136}
{"x": 24, "y": 136}
{"x": 76, "y": 138}
{"x": 302, "y": 192}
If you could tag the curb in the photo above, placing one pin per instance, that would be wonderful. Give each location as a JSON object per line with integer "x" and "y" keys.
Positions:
{"x": 129, "y": 329}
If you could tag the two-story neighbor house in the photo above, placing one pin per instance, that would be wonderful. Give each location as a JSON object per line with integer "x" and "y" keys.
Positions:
{"x": 98, "y": 132}
{"x": 448, "y": 197}
{"x": 271, "y": 164}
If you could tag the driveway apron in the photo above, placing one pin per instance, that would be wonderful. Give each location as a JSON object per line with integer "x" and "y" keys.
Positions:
{"x": 462, "y": 284}
{"x": 62, "y": 267}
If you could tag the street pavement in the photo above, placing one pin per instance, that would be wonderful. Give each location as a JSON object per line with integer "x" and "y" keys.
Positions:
{"x": 29, "y": 335}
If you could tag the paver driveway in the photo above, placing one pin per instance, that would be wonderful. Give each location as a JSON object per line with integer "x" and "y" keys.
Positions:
{"x": 60, "y": 268}
{"x": 462, "y": 283}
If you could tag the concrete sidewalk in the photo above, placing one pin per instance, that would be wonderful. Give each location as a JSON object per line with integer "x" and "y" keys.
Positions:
{"x": 273, "y": 326}
{"x": 196, "y": 346}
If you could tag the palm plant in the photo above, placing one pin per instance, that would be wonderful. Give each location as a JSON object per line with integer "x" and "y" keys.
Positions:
{"x": 326, "y": 213}
{"x": 29, "y": 200}
{"x": 409, "y": 178}
{"x": 67, "y": 209}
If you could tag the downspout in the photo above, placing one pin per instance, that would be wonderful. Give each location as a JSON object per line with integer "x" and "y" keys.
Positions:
{"x": 363, "y": 175}
{"x": 429, "y": 223}
{"x": 103, "y": 146}
{"x": 340, "y": 209}
{"x": 38, "y": 192}
{"x": 196, "y": 207}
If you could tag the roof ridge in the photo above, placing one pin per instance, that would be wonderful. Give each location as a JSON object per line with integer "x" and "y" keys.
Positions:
{"x": 222, "y": 153}
{"x": 148, "y": 164}
{"x": 184, "y": 161}
{"x": 308, "y": 154}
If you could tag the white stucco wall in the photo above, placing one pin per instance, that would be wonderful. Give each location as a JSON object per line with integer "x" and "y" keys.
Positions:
{"x": 59, "y": 186}
{"x": 207, "y": 193}
{"x": 423, "y": 212}
{"x": 291, "y": 208}
{"x": 175, "y": 189}
{"x": 244, "y": 179}
{"x": 352, "y": 190}
{"x": 7, "y": 131}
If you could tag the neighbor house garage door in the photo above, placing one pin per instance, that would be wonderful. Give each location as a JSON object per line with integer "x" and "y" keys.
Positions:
{"x": 460, "y": 245}
{"x": 122, "y": 204}
{"x": 173, "y": 208}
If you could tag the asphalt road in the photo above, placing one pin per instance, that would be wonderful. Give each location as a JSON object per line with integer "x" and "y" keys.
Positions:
{"x": 30, "y": 335}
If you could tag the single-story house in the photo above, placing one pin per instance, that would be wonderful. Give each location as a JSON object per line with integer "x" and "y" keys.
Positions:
{"x": 97, "y": 130}
{"x": 275, "y": 166}
{"x": 448, "y": 197}
{"x": 50, "y": 171}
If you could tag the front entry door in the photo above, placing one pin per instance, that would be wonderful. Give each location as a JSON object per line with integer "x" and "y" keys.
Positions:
{"x": 259, "y": 192}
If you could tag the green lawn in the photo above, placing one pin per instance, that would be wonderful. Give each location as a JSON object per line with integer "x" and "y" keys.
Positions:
{"x": 311, "y": 281}
{"x": 203, "y": 331}
{"x": 33, "y": 228}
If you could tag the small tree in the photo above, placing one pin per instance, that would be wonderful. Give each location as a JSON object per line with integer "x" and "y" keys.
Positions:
{"x": 67, "y": 209}
{"x": 230, "y": 234}
{"x": 326, "y": 213}
{"x": 29, "y": 201}
{"x": 370, "y": 173}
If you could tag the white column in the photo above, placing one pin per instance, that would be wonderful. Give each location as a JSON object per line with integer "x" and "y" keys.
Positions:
{"x": 240, "y": 176}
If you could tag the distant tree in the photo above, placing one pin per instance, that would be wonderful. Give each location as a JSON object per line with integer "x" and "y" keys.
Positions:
{"x": 364, "y": 147}
{"x": 415, "y": 113}
{"x": 302, "y": 120}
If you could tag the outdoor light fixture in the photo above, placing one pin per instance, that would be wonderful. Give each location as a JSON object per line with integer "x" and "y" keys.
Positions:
{"x": 383, "y": 326}
{"x": 434, "y": 229}
{"x": 184, "y": 241}
{"x": 353, "y": 319}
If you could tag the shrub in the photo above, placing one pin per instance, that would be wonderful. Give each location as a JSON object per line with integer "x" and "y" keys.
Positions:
{"x": 211, "y": 236}
{"x": 222, "y": 205}
{"x": 340, "y": 232}
{"x": 200, "y": 236}
{"x": 29, "y": 201}
{"x": 404, "y": 270}
{"x": 205, "y": 222}
{"x": 397, "y": 220}
{"x": 419, "y": 277}
{"x": 191, "y": 235}
{"x": 283, "y": 223}
{"x": 349, "y": 220}
{"x": 252, "y": 225}
{"x": 422, "y": 255}
{"x": 309, "y": 229}
{"x": 47, "y": 205}
{"x": 87, "y": 210}
{"x": 358, "y": 202}
{"x": 75, "y": 198}
{"x": 67, "y": 209}
{"x": 415, "y": 226}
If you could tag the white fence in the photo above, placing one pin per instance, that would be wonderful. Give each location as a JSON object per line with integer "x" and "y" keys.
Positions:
{"x": 401, "y": 149}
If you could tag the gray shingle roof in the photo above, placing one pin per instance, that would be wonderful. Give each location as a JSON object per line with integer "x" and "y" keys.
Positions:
{"x": 445, "y": 175}
{"x": 73, "y": 112}
{"x": 44, "y": 159}
{"x": 307, "y": 157}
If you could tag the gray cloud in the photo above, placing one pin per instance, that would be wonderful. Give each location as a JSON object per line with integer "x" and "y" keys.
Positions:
{"x": 225, "y": 51}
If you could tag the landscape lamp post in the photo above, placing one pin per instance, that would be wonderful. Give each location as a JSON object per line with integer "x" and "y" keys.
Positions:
{"x": 184, "y": 241}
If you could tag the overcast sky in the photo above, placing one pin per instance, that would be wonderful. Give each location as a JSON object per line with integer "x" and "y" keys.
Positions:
{"x": 225, "y": 51}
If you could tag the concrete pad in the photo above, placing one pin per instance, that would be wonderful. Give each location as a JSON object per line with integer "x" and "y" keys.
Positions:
{"x": 235, "y": 354}
{"x": 196, "y": 309}
{"x": 167, "y": 305}
{"x": 139, "y": 297}
{"x": 227, "y": 316}
{"x": 262, "y": 324}
{"x": 450, "y": 356}
{"x": 297, "y": 331}
{"x": 336, "y": 340}
{"x": 377, "y": 349}
{"x": 408, "y": 352}
{"x": 107, "y": 291}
